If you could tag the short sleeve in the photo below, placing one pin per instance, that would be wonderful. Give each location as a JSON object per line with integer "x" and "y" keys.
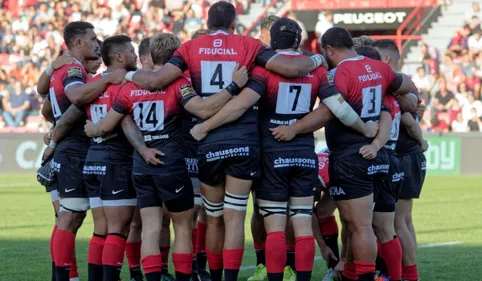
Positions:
{"x": 184, "y": 91}
{"x": 257, "y": 82}
{"x": 181, "y": 56}
{"x": 327, "y": 86}
{"x": 394, "y": 81}
{"x": 122, "y": 103}
{"x": 340, "y": 77}
{"x": 74, "y": 74}
{"x": 263, "y": 54}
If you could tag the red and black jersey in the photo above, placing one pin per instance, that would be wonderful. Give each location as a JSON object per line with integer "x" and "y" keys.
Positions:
{"x": 115, "y": 147}
{"x": 391, "y": 103}
{"x": 68, "y": 75}
{"x": 189, "y": 120}
{"x": 158, "y": 114}
{"x": 211, "y": 60}
{"x": 363, "y": 82}
{"x": 285, "y": 101}
{"x": 406, "y": 144}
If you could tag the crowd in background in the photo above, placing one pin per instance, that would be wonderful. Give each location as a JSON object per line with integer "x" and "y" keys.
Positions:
{"x": 31, "y": 37}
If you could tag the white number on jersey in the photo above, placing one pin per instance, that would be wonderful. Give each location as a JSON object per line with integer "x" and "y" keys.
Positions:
{"x": 98, "y": 111}
{"x": 216, "y": 75}
{"x": 372, "y": 102}
{"x": 395, "y": 127}
{"x": 55, "y": 105}
{"x": 293, "y": 98}
{"x": 149, "y": 115}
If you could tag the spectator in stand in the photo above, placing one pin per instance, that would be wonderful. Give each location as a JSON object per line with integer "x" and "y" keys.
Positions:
{"x": 459, "y": 43}
{"x": 475, "y": 11}
{"x": 473, "y": 84}
{"x": 467, "y": 64}
{"x": 325, "y": 22}
{"x": 475, "y": 123}
{"x": 441, "y": 101}
{"x": 439, "y": 124}
{"x": 471, "y": 105}
{"x": 462, "y": 94}
{"x": 475, "y": 42}
{"x": 474, "y": 25}
{"x": 424, "y": 83}
{"x": 16, "y": 104}
{"x": 459, "y": 125}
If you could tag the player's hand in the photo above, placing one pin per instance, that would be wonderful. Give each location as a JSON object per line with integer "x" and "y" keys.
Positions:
{"x": 240, "y": 76}
{"x": 338, "y": 270}
{"x": 48, "y": 137}
{"x": 61, "y": 61}
{"x": 327, "y": 253}
{"x": 371, "y": 129}
{"x": 117, "y": 76}
{"x": 421, "y": 111}
{"x": 198, "y": 132}
{"x": 425, "y": 145}
{"x": 48, "y": 152}
{"x": 283, "y": 133}
{"x": 151, "y": 155}
{"x": 369, "y": 151}
{"x": 90, "y": 129}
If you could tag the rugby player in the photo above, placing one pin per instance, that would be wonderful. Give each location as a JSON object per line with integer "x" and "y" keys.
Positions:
{"x": 158, "y": 115}
{"x": 409, "y": 148}
{"x": 290, "y": 168}
{"x": 67, "y": 86}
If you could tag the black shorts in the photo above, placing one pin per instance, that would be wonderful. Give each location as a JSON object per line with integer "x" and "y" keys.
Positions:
{"x": 414, "y": 169}
{"x": 174, "y": 190}
{"x": 217, "y": 161}
{"x": 388, "y": 188}
{"x": 68, "y": 171}
{"x": 190, "y": 156}
{"x": 353, "y": 177}
{"x": 109, "y": 181}
{"x": 288, "y": 174}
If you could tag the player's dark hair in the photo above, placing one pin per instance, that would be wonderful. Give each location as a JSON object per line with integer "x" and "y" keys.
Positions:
{"x": 144, "y": 47}
{"x": 75, "y": 29}
{"x": 221, "y": 15}
{"x": 163, "y": 46}
{"x": 285, "y": 34}
{"x": 363, "y": 40}
{"x": 388, "y": 45}
{"x": 113, "y": 45}
{"x": 200, "y": 32}
{"x": 267, "y": 22}
{"x": 369, "y": 52}
{"x": 338, "y": 38}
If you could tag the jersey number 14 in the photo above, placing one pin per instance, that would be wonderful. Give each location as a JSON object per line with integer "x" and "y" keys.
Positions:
{"x": 149, "y": 115}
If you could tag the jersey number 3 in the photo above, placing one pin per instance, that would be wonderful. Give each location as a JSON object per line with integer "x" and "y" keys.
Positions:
{"x": 372, "y": 102}
{"x": 149, "y": 115}
{"x": 293, "y": 98}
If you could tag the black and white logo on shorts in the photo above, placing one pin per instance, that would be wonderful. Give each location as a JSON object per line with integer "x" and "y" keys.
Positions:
{"x": 295, "y": 162}
{"x": 336, "y": 191}
{"x": 227, "y": 153}
{"x": 376, "y": 169}
{"x": 191, "y": 165}
{"x": 95, "y": 170}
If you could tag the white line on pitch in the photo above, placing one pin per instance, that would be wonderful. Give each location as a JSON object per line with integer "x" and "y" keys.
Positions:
{"x": 439, "y": 244}
{"x": 4, "y": 185}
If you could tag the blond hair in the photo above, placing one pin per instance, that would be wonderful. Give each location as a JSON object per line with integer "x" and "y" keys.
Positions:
{"x": 163, "y": 46}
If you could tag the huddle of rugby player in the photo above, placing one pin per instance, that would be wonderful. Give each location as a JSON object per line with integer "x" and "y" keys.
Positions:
{"x": 184, "y": 139}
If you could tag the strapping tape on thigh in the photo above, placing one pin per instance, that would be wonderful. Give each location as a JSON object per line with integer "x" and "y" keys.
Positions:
{"x": 213, "y": 209}
{"x": 74, "y": 205}
{"x": 235, "y": 201}
{"x": 268, "y": 209}
{"x": 198, "y": 200}
{"x": 301, "y": 211}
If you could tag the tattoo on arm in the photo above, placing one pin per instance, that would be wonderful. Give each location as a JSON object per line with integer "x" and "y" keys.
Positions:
{"x": 64, "y": 125}
{"x": 132, "y": 132}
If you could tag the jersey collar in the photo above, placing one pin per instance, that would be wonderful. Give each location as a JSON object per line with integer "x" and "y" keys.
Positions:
{"x": 352, "y": 59}
{"x": 77, "y": 61}
{"x": 219, "y": 32}
{"x": 290, "y": 53}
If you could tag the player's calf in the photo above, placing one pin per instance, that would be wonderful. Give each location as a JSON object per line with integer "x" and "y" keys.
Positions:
{"x": 328, "y": 226}
{"x": 133, "y": 246}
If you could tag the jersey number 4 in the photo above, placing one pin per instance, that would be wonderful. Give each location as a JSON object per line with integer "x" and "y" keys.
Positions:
{"x": 216, "y": 75}
{"x": 293, "y": 98}
{"x": 149, "y": 115}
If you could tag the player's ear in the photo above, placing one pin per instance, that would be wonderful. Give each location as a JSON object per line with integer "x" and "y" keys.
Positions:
{"x": 233, "y": 26}
{"x": 119, "y": 57}
{"x": 387, "y": 59}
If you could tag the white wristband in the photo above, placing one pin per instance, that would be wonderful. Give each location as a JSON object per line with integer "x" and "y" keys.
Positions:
{"x": 49, "y": 70}
{"x": 52, "y": 144}
{"x": 318, "y": 60}
{"x": 129, "y": 75}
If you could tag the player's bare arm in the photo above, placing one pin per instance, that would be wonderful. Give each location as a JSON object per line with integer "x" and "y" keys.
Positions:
{"x": 43, "y": 83}
{"x": 405, "y": 87}
{"x": 205, "y": 108}
{"x": 81, "y": 94}
{"x": 229, "y": 113}
{"x": 414, "y": 130}
{"x": 408, "y": 102}
{"x": 370, "y": 151}
{"x": 47, "y": 112}
{"x": 295, "y": 67}
{"x": 153, "y": 80}
{"x": 104, "y": 126}
{"x": 136, "y": 139}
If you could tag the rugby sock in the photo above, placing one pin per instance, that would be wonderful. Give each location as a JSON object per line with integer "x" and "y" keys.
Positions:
{"x": 349, "y": 273}
{"x": 94, "y": 257}
{"x": 64, "y": 248}
{"x": 152, "y": 267}
{"x": 183, "y": 266}
{"x": 380, "y": 265}
{"x": 215, "y": 261}
{"x": 201, "y": 246}
{"x": 73, "y": 269}
{"x": 194, "y": 241}
{"x": 260, "y": 253}
{"x": 165, "y": 259}
{"x": 133, "y": 255}
{"x": 290, "y": 255}
{"x": 113, "y": 256}
{"x": 392, "y": 254}
{"x": 275, "y": 255}
{"x": 365, "y": 270}
{"x": 410, "y": 272}
{"x": 232, "y": 260}
{"x": 52, "y": 237}
{"x": 329, "y": 230}
{"x": 304, "y": 257}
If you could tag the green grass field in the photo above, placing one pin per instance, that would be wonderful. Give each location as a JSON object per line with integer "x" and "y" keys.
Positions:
{"x": 448, "y": 220}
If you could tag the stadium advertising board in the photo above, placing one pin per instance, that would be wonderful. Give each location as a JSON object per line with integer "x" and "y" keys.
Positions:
{"x": 443, "y": 156}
